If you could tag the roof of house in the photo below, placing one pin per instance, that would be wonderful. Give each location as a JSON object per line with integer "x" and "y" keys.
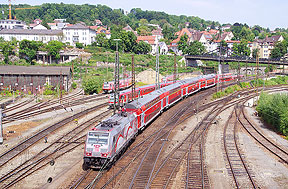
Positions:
{"x": 272, "y": 39}
{"x": 128, "y": 28}
{"x": 157, "y": 32}
{"x": 150, "y": 39}
{"x": 34, "y": 70}
{"x": 102, "y": 30}
{"x": 76, "y": 26}
{"x": 31, "y": 32}
{"x": 196, "y": 36}
{"x": 37, "y": 19}
{"x": 94, "y": 27}
{"x": 51, "y": 24}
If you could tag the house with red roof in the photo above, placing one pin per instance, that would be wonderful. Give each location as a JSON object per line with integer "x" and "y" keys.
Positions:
{"x": 266, "y": 45}
{"x": 128, "y": 28}
{"x": 157, "y": 33}
{"x": 152, "y": 40}
{"x": 101, "y": 29}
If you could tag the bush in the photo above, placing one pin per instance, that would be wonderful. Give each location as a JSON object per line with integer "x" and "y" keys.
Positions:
{"x": 273, "y": 109}
{"x": 79, "y": 45}
{"x": 74, "y": 85}
{"x": 92, "y": 84}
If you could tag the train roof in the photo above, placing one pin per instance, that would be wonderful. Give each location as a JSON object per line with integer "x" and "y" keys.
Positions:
{"x": 115, "y": 122}
{"x": 153, "y": 95}
{"x": 209, "y": 76}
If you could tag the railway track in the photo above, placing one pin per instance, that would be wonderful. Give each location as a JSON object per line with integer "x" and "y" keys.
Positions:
{"x": 34, "y": 111}
{"x": 19, "y": 148}
{"x": 239, "y": 169}
{"x": 56, "y": 149}
{"x": 149, "y": 175}
{"x": 40, "y": 104}
{"x": 145, "y": 147}
{"x": 274, "y": 148}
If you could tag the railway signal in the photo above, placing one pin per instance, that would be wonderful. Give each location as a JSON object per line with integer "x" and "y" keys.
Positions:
{"x": 116, "y": 79}
{"x": 1, "y": 126}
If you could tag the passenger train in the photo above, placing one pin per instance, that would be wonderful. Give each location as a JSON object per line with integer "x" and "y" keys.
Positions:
{"x": 126, "y": 95}
{"x": 123, "y": 84}
{"x": 109, "y": 139}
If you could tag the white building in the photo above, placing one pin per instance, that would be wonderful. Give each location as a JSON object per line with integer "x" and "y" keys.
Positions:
{"x": 12, "y": 24}
{"x": 37, "y": 27}
{"x": 163, "y": 48}
{"x": 151, "y": 40}
{"x": 79, "y": 33}
{"x": 37, "y": 35}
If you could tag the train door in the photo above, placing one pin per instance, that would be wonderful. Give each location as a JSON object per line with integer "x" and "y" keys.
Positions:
{"x": 167, "y": 101}
{"x": 142, "y": 119}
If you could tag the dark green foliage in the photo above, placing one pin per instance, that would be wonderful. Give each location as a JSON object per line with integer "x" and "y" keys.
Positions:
{"x": 74, "y": 85}
{"x": 7, "y": 49}
{"x": 241, "y": 49}
{"x": 255, "y": 52}
{"x": 182, "y": 44}
{"x": 53, "y": 48}
{"x": 195, "y": 48}
{"x": 142, "y": 48}
{"x": 28, "y": 49}
{"x": 279, "y": 50}
{"x": 79, "y": 45}
{"x": 273, "y": 108}
{"x": 92, "y": 84}
{"x": 101, "y": 40}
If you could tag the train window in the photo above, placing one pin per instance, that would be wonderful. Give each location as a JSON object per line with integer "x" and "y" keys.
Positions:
{"x": 130, "y": 106}
{"x": 98, "y": 141}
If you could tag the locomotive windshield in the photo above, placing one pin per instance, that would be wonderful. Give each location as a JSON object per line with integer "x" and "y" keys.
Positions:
{"x": 98, "y": 138}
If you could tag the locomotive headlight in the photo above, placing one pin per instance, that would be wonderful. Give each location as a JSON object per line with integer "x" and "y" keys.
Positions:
{"x": 104, "y": 154}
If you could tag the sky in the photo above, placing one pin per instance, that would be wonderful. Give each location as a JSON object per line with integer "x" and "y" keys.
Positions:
{"x": 266, "y": 13}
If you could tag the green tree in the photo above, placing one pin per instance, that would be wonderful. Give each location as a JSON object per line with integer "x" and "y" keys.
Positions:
{"x": 182, "y": 44}
{"x": 28, "y": 49}
{"x": 255, "y": 52}
{"x": 6, "y": 48}
{"x": 101, "y": 40}
{"x": 247, "y": 34}
{"x": 241, "y": 49}
{"x": 279, "y": 50}
{"x": 92, "y": 84}
{"x": 195, "y": 48}
{"x": 79, "y": 45}
{"x": 223, "y": 46}
{"x": 142, "y": 48}
{"x": 168, "y": 31}
{"x": 53, "y": 48}
{"x": 143, "y": 30}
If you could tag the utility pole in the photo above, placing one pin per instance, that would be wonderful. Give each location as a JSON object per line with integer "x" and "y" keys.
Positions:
{"x": 157, "y": 67}
{"x": 246, "y": 67}
{"x": 72, "y": 70}
{"x": 116, "y": 79}
{"x": 238, "y": 73}
{"x": 61, "y": 85}
{"x": 133, "y": 77}
{"x": 175, "y": 70}
{"x": 1, "y": 127}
